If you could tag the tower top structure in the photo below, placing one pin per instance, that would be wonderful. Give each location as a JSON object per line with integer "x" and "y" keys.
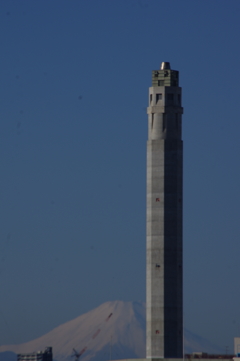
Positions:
{"x": 165, "y": 76}
{"x": 165, "y": 65}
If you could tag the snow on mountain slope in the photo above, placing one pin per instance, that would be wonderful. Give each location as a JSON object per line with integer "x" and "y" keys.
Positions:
{"x": 122, "y": 332}
{"x": 195, "y": 343}
{"x": 121, "y": 337}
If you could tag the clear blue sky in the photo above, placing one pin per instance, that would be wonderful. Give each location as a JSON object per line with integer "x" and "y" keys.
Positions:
{"x": 74, "y": 81}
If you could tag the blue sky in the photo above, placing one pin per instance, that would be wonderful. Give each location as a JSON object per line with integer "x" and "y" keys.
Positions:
{"x": 74, "y": 89}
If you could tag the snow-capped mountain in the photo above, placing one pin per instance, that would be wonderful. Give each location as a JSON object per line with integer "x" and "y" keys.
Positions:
{"x": 114, "y": 330}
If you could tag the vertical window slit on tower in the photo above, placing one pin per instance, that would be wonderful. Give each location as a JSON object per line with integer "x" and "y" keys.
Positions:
{"x": 158, "y": 97}
{"x": 152, "y": 119}
{"x": 150, "y": 98}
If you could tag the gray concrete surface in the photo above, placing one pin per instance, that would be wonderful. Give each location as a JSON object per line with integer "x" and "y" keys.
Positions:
{"x": 164, "y": 218}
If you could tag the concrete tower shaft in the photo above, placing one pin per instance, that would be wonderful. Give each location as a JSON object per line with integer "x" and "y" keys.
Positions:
{"x": 164, "y": 216}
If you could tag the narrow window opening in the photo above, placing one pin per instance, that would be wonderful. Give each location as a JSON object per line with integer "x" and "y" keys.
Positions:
{"x": 152, "y": 119}
{"x": 150, "y": 98}
{"x": 160, "y": 82}
{"x": 170, "y": 98}
{"x": 158, "y": 97}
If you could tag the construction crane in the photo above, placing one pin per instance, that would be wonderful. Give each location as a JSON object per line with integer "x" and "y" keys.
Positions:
{"x": 77, "y": 354}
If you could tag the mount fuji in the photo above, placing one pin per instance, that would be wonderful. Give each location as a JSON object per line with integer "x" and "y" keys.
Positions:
{"x": 114, "y": 330}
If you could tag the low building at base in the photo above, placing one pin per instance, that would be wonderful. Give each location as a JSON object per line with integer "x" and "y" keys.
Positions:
{"x": 45, "y": 355}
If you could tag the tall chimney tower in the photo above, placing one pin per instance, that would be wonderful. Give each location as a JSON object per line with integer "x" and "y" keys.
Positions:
{"x": 164, "y": 216}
